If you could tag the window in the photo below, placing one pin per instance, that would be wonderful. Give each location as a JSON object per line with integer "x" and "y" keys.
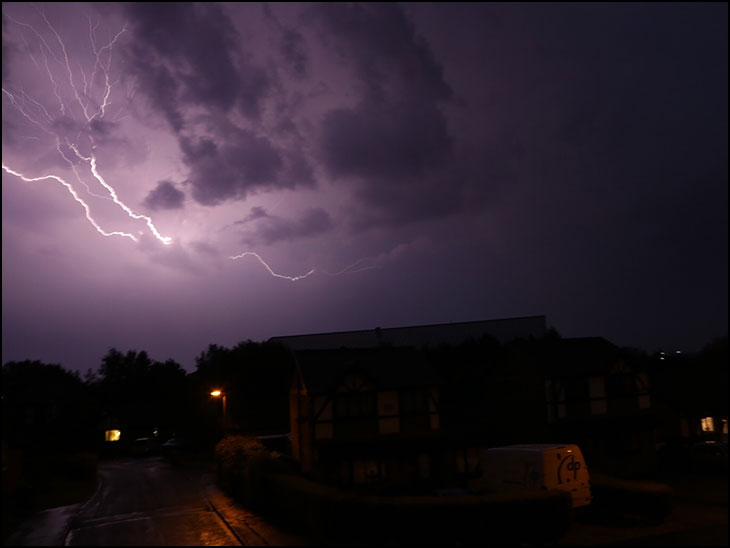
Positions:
{"x": 365, "y": 471}
{"x": 555, "y": 399}
{"x": 597, "y": 394}
{"x": 112, "y": 435}
{"x": 708, "y": 424}
{"x": 388, "y": 413}
{"x": 355, "y": 404}
{"x": 414, "y": 402}
{"x": 642, "y": 389}
{"x": 467, "y": 460}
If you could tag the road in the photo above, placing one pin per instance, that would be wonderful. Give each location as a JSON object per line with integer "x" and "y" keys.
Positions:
{"x": 148, "y": 502}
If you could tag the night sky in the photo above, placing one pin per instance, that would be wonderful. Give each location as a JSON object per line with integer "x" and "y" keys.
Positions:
{"x": 388, "y": 165}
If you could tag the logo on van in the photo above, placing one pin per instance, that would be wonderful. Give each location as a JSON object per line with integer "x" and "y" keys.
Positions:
{"x": 567, "y": 465}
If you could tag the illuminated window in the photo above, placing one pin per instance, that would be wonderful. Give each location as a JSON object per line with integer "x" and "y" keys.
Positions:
{"x": 113, "y": 435}
{"x": 708, "y": 425}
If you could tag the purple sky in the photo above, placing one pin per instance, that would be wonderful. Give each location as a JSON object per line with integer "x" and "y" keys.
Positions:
{"x": 429, "y": 162}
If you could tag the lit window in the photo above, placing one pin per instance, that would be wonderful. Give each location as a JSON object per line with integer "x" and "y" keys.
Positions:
{"x": 708, "y": 425}
{"x": 113, "y": 435}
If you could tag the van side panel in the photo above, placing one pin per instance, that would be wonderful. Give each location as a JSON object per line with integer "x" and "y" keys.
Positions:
{"x": 530, "y": 468}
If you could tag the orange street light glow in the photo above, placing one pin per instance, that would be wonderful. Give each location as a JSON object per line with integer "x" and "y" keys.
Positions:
{"x": 216, "y": 393}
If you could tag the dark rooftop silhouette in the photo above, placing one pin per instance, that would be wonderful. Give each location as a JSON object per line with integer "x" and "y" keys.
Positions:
{"x": 503, "y": 330}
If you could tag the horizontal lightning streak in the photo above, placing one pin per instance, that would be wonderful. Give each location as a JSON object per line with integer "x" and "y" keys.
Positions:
{"x": 354, "y": 267}
{"x": 290, "y": 278}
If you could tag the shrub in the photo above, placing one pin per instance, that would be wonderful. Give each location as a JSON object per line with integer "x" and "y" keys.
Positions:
{"x": 232, "y": 455}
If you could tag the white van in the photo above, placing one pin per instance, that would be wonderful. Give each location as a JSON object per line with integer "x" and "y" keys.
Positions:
{"x": 536, "y": 467}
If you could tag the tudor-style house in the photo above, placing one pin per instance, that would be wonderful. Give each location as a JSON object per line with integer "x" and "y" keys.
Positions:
{"x": 600, "y": 397}
{"x": 365, "y": 415}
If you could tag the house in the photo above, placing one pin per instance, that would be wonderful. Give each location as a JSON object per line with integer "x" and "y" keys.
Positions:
{"x": 599, "y": 396}
{"x": 363, "y": 416}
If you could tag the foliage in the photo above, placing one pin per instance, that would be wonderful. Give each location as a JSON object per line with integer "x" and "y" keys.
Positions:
{"x": 244, "y": 467}
{"x": 46, "y": 406}
{"x": 256, "y": 379}
{"x": 141, "y": 394}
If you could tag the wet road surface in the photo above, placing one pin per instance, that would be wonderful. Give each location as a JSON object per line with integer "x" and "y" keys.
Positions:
{"x": 148, "y": 502}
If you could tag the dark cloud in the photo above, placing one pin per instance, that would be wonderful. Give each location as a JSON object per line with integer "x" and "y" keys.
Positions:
{"x": 231, "y": 169}
{"x": 187, "y": 54}
{"x": 384, "y": 142}
{"x": 395, "y": 141}
{"x": 257, "y": 212}
{"x": 195, "y": 41}
{"x": 189, "y": 62}
{"x": 162, "y": 89}
{"x": 165, "y": 196}
{"x": 388, "y": 57}
{"x": 293, "y": 48}
{"x": 271, "y": 229}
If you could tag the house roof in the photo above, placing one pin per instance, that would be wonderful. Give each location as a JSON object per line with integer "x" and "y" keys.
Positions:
{"x": 322, "y": 371}
{"x": 420, "y": 335}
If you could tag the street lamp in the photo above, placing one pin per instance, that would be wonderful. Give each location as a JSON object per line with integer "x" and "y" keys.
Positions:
{"x": 220, "y": 394}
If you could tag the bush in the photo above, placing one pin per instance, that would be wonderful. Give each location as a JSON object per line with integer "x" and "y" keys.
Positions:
{"x": 245, "y": 468}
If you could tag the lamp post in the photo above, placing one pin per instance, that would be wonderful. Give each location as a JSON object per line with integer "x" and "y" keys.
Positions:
{"x": 220, "y": 394}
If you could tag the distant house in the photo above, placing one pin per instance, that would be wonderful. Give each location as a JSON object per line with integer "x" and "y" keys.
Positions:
{"x": 365, "y": 415}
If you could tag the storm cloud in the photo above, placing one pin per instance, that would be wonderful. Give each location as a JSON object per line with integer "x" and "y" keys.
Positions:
{"x": 271, "y": 229}
{"x": 165, "y": 196}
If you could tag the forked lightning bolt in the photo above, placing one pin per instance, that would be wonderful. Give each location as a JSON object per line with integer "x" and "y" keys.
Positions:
{"x": 91, "y": 109}
{"x": 76, "y": 197}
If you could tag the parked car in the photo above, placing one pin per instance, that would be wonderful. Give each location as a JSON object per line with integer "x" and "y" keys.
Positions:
{"x": 142, "y": 447}
{"x": 174, "y": 448}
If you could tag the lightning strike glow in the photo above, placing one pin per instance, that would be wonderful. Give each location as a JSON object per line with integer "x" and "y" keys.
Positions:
{"x": 257, "y": 256}
{"x": 75, "y": 196}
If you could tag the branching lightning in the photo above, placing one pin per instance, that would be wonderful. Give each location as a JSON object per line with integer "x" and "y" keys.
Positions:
{"x": 92, "y": 101}
{"x": 80, "y": 95}
{"x": 75, "y": 196}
